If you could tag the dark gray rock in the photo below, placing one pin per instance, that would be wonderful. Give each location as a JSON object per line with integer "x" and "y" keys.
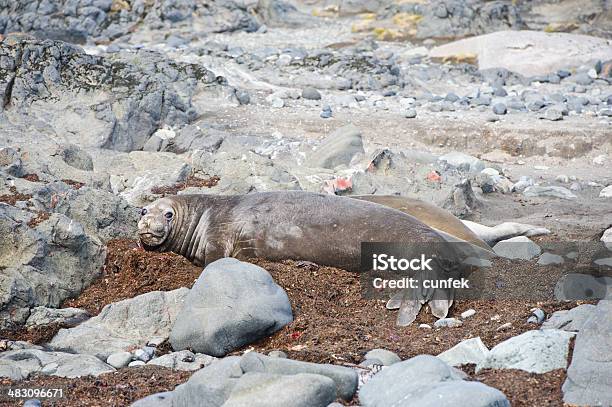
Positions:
{"x": 231, "y": 304}
{"x": 344, "y": 378}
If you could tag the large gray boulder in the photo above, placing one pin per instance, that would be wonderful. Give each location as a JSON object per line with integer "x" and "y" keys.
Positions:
{"x": 427, "y": 381}
{"x": 589, "y": 376}
{"x": 123, "y": 325}
{"x": 43, "y": 263}
{"x": 29, "y": 361}
{"x": 231, "y": 304}
{"x": 338, "y": 148}
{"x": 536, "y": 351}
{"x": 346, "y": 379}
{"x": 272, "y": 390}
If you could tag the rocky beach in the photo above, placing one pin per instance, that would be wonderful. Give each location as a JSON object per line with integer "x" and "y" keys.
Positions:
{"x": 497, "y": 112}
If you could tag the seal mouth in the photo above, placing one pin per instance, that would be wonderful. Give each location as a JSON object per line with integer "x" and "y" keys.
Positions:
{"x": 150, "y": 235}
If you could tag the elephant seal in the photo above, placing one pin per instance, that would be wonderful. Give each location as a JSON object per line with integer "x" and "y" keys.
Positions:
{"x": 325, "y": 229}
{"x": 429, "y": 214}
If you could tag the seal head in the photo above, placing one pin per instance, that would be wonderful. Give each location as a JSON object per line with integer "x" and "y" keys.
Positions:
{"x": 156, "y": 222}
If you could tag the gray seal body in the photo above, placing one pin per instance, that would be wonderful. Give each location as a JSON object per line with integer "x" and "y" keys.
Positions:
{"x": 324, "y": 229}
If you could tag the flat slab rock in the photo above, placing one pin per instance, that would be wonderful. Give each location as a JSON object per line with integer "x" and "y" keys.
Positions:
{"x": 426, "y": 380}
{"x": 528, "y": 53}
{"x": 589, "y": 377}
{"x": 536, "y": 351}
{"x": 123, "y": 325}
{"x": 20, "y": 364}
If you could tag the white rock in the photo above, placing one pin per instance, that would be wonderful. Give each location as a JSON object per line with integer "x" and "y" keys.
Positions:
{"x": 606, "y": 192}
{"x": 468, "y": 313}
{"x": 448, "y": 323}
{"x": 469, "y": 351}
{"x": 529, "y": 53}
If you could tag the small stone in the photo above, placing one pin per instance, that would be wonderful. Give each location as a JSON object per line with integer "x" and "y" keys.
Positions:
{"x": 278, "y": 354}
{"x": 550, "y": 258}
{"x": 499, "y": 91}
{"x": 137, "y": 363}
{"x": 424, "y": 326}
{"x": 448, "y": 323}
{"x": 500, "y": 109}
{"x": 278, "y": 102}
{"x": 326, "y": 112}
{"x": 144, "y": 354}
{"x": 538, "y": 316}
{"x": 468, "y": 313}
{"x": 600, "y": 159}
{"x": 243, "y": 97}
{"x": 451, "y": 97}
{"x": 592, "y": 73}
{"x": 410, "y": 114}
{"x": 583, "y": 79}
{"x": 552, "y": 114}
{"x": 606, "y": 113}
{"x": 311, "y": 94}
{"x": 119, "y": 359}
{"x": 562, "y": 178}
{"x": 32, "y": 403}
{"x": 492, "y": 118}
{"x": 504, "y": 327}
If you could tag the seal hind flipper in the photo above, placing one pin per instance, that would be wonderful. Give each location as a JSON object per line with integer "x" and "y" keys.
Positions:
{"x": 439, "y": 308}
{"x": 395, "y": 301}
{"x": 408, "y": 311}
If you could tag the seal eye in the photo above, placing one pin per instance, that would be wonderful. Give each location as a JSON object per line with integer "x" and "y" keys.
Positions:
{"x": 168, "y": 215}
{"x": 143, "y": 212}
